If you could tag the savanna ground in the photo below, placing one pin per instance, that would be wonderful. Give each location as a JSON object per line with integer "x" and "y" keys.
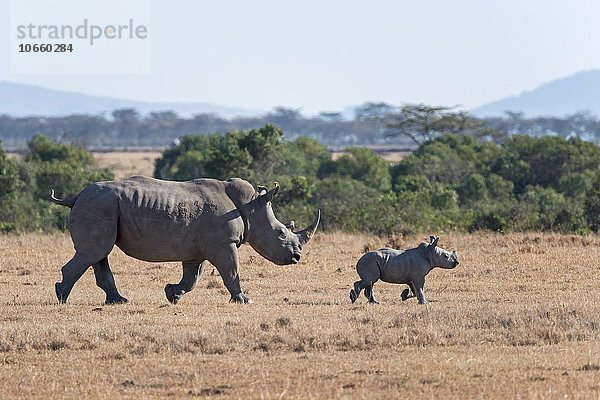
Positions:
{"x": 518, "y": 318}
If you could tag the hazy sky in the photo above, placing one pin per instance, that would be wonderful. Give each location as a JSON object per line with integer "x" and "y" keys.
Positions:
{"x": 330, "y": 54}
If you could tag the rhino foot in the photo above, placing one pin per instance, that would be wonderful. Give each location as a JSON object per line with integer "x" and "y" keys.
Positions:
{"x": 171, "y": 295}
{"x": 240, "y": 298}
{"x": 353, "y": 295}
{"x": 116, "y": 300}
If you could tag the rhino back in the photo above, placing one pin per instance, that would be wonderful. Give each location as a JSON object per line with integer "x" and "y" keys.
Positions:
{"x": 403, "y": 266}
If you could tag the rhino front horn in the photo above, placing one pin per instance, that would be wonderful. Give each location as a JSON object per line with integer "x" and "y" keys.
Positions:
{"x": 308, "y": 233}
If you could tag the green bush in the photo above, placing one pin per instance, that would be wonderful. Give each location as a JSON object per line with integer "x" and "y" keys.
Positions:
{"x": 362, "y": 165}
{"x": 41, "y": 149}
{"x": 10, "y": 185}
{"x": 591, "y": 205}
{"x": 350, "y": 205}
{"x": 9, "y": 178}
{"x": 47, "y": 166}
{"x": 253, "y": 155}
{"x": 304, "y": 156}
{"x": 451, "y": 183}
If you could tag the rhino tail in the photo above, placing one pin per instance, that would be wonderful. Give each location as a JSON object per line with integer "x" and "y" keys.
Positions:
{"x": 62, "y": 202}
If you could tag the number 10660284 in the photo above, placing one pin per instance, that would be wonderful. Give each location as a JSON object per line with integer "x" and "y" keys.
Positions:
{"x": 45, "y": 48}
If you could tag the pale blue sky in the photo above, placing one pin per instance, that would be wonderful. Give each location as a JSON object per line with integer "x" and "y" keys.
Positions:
{"x": 330, "y": 54}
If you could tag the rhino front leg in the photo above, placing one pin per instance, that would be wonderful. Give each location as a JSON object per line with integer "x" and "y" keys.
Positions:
{"x": 227, "y": 264}
{"x": 189, "y": 279}
{"x": 419, "y": 291}
{"x": 106, "y": 281}
{"x": 71, "y": 272}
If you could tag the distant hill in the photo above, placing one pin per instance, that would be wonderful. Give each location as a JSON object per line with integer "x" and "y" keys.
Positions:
{"x": 20, "y": 100}
{"x": 560, "y": 97}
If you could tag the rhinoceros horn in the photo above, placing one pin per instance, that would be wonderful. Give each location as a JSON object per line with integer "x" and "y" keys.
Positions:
{"x": 307, "y": 233}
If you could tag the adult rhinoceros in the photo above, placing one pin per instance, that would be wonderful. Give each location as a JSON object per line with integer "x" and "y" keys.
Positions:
{"x": 191, "y": 222}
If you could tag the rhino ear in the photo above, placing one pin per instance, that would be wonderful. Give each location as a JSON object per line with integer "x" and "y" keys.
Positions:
{"x": 262, "y": 190}
{"x": 434, "y": 241}
{"x": 268, "y": 196}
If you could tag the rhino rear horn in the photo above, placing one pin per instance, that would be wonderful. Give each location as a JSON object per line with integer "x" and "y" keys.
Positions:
{"x": 306, "y": 234}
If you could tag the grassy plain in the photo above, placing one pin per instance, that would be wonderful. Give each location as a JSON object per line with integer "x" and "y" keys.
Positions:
{"x": 519, "y": 318}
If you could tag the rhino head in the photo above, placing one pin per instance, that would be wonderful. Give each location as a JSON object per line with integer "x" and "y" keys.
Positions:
{"x": 275, "y": 241}
{"x": 440, "y": 257}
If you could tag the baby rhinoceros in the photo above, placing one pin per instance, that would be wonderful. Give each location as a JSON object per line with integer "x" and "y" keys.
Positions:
{"x": 397, "y": 266}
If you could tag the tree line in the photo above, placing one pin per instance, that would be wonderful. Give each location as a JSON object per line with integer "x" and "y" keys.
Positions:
{"x": 450, "y": 182}
{"x": 408, "y": 125}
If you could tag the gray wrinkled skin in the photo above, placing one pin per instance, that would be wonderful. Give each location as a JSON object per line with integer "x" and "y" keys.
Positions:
{"x": 395, "y": 266}
{"x": 159, "y": 221}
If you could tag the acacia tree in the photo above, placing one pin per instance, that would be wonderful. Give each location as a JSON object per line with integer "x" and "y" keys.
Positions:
{"x": 421, "y": 123}
{"x": 126, "y": 123}
{"x": 373, "y": 111}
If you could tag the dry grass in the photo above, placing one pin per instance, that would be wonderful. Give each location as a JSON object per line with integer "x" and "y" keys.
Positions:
{"x": 519, "y": 318}
{"x": 126, "y": 164}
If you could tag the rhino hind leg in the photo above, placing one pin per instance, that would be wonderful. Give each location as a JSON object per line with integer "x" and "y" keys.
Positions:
{"x": 106, "y": 281}
{"x": 369, "y": 271}
{"x": 406, "y": 294}
{"x": 189, "y": 279}
{"x": 355, "y": 291}
{"x": 71, "y": 272}
{"x": 369, "y": 293}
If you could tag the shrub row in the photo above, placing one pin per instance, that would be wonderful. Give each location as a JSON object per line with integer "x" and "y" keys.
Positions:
{"x": 454, "y": 182}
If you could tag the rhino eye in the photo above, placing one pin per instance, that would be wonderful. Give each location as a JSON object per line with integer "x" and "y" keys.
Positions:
{"x": 282, "y": 234}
